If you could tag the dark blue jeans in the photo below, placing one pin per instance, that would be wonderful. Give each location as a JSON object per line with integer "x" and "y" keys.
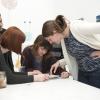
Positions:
{"x": 90, "y": 78}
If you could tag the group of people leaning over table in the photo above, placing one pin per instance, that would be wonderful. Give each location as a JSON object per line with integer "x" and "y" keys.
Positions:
{"x": 36, "y": 58}
{"x": 81, "y": 41}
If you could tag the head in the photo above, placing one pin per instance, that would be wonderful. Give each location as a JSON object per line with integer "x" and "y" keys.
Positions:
{"x": 53, "y": 29}
{"x": 41, "y": 46}
{"x": 1, "y": 24}
{"x": 12, "y": 39}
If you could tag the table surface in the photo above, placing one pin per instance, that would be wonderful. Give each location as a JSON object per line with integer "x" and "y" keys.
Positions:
{"x": 54, "y": 89}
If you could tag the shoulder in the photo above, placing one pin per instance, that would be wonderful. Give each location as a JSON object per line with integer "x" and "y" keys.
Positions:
{"x": 27, "y": 51}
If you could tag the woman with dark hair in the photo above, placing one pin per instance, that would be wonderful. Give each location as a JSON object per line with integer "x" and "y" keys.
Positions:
{"x": 38, "y": 58}
{"x": 11, "y": 40}
{"x": 82, "y": 42}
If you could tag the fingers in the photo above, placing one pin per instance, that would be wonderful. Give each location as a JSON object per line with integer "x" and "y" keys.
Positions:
{"x": 64, "y": 74}
{"x": 41, "y": 77}
{"x": 46, "y": 77}
{"x": 51, "y": 70}
{"x": 55, "y": 69}
{"x": 36, "y": 72}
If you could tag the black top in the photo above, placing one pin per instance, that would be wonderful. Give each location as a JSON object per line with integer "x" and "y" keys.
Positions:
{"x": 82, "y": 54}
{"x": 30, "y": 61}
{"x": 6, "y": 65}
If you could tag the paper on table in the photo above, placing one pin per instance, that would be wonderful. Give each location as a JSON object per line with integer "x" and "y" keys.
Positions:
{"x": 53, "y": 76}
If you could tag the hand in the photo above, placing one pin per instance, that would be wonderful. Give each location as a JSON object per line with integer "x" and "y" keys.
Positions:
{"x": 41, "y": 77}
{"x": 36, "y": 72}
{"x": 65, "y": 75}
{"x": 95, "y": 54}
{"x": 54, "y": 67}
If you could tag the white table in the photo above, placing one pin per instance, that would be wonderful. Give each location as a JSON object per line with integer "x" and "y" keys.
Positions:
{"x": 56, "y": 89}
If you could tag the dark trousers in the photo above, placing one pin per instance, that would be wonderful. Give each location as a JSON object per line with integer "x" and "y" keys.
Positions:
{"x": 90, "y": 78}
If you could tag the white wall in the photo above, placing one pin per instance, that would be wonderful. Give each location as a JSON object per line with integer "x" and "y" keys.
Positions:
{"x": 74, "y": 9}
{"x": 39, "y": 11}
{"x": 28, "y": 11}
{"x": 29, "y": 15}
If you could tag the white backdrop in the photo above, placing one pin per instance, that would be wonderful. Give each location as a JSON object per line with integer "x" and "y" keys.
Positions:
{"x": 29, "y": 15}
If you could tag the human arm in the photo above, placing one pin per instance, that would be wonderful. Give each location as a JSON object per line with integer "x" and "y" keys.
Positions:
{"x": 54, "y": 67}
{"x": 86, "y": 33}
{"x": 34, "y": 72}
{"x": 19, "y": 78}
{"x": 11, "y": 77}
{"x": 62, "y": 72}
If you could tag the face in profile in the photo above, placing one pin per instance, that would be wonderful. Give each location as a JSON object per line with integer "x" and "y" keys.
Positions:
{"x": 54, "y": 39}
{"x": 41, "y": 51}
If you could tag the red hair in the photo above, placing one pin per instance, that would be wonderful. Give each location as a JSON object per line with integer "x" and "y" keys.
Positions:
{"x": 12, "y": 39}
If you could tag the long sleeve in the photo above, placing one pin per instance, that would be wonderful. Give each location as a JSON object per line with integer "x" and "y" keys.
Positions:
{"x": 9, "y": 62}
{"x": 69, "y": 61}
{"x": 87, "y": 33}
{"x": 28, "y": 60}
{"x": 47, "y": 63}
{"x": 11, "y": 77}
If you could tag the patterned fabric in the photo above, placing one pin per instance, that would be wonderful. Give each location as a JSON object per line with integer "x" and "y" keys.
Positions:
{"x": 82, "y": 54}
{"x": 57, "y": 51}
{"x": 30, "y": 62}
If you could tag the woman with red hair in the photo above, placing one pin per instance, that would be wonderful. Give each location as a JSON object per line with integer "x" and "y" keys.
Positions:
{"x": 11, "y": 40}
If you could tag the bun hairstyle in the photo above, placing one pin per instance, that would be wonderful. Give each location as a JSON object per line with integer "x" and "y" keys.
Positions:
{"x": 12, "y": 39}
{"x": 60, "y": 20}
{"x": 57, "y": 25}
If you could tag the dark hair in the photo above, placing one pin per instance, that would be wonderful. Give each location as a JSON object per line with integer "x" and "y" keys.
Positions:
{"x": 59, "y": 25}
{"x": 41, "y": 41}
{"x": 12, "y": 39}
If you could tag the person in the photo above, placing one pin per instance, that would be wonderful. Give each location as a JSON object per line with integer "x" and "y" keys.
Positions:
{"x": 81, "y": 40}
{"x": 7, "y": 55}
{"x": 11, "y": 40}
{"x": 38, "y": 58}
